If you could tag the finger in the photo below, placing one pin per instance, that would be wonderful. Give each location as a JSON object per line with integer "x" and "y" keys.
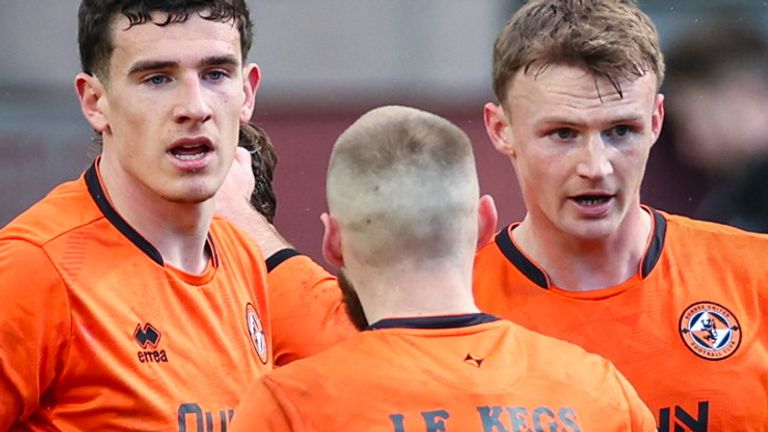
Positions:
{"x": 243, "y": 156}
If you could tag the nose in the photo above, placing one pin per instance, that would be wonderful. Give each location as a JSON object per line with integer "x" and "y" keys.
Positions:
{"x": 595, "y": 162}
{"x": 192, "y": 106}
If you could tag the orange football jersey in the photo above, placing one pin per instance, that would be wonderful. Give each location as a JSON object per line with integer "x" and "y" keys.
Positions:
{"x": 98, "y": 333}
{"x": 453, "y": 373}
{"x": 306, "y": 307}
{"x": 688, "y": 330}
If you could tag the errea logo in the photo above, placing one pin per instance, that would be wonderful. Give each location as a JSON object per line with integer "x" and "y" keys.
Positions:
{"x": 148, "y": 338}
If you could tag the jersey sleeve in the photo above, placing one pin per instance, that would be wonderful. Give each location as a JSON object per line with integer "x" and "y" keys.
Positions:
{"x": 641, "y": 418}
{"x": 265, "y": 408}
{"x": 306, "y": 305}
{"x": 34, "y": 329}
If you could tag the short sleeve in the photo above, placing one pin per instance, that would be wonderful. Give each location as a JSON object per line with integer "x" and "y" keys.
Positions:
{"x": 307, "y": 309}
{"x": 641, "y": 418}
{"x": 263, "y": 410}
{"x": 34, "y": 329}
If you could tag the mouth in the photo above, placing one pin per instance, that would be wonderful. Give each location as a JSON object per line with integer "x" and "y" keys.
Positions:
{"x": 591, "y": 200}
{"x": 191, "y": 149}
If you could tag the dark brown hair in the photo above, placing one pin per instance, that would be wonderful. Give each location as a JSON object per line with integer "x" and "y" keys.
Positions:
{"x": 95, "y": 19}
{"x": 263, "y": 162}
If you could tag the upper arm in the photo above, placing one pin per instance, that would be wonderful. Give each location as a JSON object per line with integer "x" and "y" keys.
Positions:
{"x": 263, "y": 410}
{"x": 307, "y": 309}
{"x": 34, "y": 328}
{"x": 641, "y": 418}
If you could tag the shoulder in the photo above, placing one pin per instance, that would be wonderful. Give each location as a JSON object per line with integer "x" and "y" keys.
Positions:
{"x": 713, "y": 239}
{"x": 560, "y": 362}
{"x": 65, "y": 209}
{"x": 229, "y": 236}
{"x": 345, "y": 361}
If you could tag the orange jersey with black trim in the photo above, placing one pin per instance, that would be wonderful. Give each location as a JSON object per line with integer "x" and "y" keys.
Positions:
{"x": 689, "y": 330}
{"x": 98, "y": 333}
{"x": 453, "y": 373}
{"x": 307, "y": 307}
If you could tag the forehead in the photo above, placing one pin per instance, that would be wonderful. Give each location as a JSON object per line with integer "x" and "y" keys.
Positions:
{"x": 574, "y": 89}
{"x": 193, "y": 36}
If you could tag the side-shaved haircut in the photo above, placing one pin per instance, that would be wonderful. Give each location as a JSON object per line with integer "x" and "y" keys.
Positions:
{"x": 403, "y": 185}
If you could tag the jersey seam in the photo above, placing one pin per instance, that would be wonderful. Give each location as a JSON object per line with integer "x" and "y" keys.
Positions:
{"x": 282, "y": 399}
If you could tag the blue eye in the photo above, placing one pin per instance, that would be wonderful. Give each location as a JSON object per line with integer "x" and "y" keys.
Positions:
{"x": 216, "y": 75}
{"x": 622, "y": 130}
{"x": 157, "y": 80}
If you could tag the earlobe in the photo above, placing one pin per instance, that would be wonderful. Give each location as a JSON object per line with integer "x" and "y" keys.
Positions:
{"x": 332, "y": 241}
{"x": 487, "y": 219}
{"x": 497, "y": 128}
{"x": 92, "y": 96}
{"x": 251, "y": 81}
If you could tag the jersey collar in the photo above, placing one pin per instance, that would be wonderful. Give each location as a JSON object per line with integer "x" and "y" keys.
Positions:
{"x": 537, "y": 275}
{"x": 99, "y": 196}
{"x": 434, "y": 322}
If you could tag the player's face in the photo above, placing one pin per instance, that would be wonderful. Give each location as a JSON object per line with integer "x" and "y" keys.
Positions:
{"x": 578, "y": 148}
{"x": 176, "y": 97}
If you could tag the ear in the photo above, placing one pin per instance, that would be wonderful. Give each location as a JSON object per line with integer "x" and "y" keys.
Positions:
{"x": 657, "y": 117}
{"x": 497, "y": 127}
{"x": 487, "y": 218}
{"x": 93, "y": 100}
{"x": 251, "y": 81}
{"x": 332, "y": 241}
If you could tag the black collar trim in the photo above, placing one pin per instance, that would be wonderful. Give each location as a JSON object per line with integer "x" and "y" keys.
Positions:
{"x": 653, "y": 253}
{"x": 518, "y": 258}
{"x": 279, "y": 257}
{"x": 434, "y": 322}
{"x": 537, "y": 275}
{"x": 100, "y": 198}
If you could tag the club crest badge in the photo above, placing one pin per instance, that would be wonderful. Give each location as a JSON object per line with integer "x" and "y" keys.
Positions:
{"x": 710, "y": 330}
{"x": 256, "y": 332}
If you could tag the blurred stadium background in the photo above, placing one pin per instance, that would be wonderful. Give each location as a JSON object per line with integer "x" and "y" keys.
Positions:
{"x": 323, "y": 64}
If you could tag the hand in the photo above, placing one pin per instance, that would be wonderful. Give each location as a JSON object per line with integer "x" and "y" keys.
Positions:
{"x": 235, "y": 192}
{"x": 233, "y": 203}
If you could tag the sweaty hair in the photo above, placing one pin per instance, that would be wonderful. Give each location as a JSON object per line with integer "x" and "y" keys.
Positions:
{"x": 613, "y": 39}
{"x": 402, "y": 183}
{"x": 96, "y": 19}
{"x": 263, "y": 162}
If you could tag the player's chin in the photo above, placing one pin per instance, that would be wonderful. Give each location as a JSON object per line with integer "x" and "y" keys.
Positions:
{"x": 192, "y": 194}
{"x": 593, "y": 229}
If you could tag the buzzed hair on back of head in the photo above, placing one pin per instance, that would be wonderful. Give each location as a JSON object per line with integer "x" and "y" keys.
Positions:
{"x": 403, "y": 184}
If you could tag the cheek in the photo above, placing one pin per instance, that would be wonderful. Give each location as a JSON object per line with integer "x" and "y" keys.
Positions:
{"x": 540, "y": 174}
{"x": 631, "y": 166}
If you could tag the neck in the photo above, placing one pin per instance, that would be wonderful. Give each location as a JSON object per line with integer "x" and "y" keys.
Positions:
{"x": 408, "y": 290}
{"x": 177, "y": 230}
{"x": 578, "y": 264}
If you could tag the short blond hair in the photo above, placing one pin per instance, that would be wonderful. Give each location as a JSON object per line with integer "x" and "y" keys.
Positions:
{"x": 402, "y": 183}
{"x": 613, "y": 39}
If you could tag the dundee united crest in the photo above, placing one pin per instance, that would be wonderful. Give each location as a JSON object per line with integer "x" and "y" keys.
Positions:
{"x": 256, "y": 332}
{"x": 710, "y": 330}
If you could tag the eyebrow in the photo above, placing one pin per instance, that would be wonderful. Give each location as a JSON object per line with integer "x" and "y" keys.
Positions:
{"x": 150, "y": 65}
{"x": 629, "y": 118}
{"x": 222, "y": 60}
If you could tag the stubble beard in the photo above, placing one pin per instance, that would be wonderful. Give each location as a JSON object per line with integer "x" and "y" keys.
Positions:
{"x": 352, "y": 302}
